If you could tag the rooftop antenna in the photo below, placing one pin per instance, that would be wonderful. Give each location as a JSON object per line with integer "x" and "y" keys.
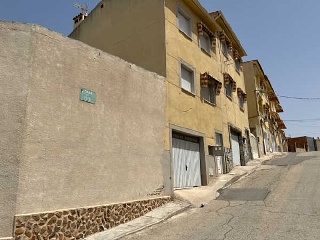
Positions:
{"x": 84, "y": 8}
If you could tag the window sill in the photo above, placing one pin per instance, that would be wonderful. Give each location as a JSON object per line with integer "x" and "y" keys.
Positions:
{"x": 188, "y": 92}
{"x": 225, "y": 55}
{"x": 230, "y": 98}
{"x": 206, "y": 52}
{"x": 186, "y": 35}
{"x": 210, "y": 103}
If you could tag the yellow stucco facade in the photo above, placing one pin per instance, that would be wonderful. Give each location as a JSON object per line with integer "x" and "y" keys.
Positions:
{"x": 263, "y": 108}
{"x": 190, "y": 110}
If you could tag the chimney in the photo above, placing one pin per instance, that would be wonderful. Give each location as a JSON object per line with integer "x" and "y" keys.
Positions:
{"x": 78, "y": 19}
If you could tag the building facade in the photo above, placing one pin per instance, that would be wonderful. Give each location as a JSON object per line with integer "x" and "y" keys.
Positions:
{"x": 317, "y": 143}
{"x": 263, "y": 111}
{"x": 302, "y": 144}
{"x": 81, "y": 143}
{"x": 207, "y": 129}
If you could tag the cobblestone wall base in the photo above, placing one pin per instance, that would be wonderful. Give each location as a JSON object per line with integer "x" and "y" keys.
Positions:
{"x": 81, "y": 222}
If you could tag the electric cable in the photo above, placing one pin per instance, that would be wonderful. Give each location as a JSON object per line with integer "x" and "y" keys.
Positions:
{"x": 299, "y": 98}
{"x": 302, "y": 120}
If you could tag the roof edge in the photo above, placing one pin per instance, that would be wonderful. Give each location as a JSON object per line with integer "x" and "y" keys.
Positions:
{"x": 216, "y": 15}
{"x": 205, "y": 13}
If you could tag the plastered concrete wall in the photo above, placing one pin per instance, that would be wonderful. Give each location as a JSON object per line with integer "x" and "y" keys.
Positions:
{"x": 250, "y": 82}
{"x": 318, "y": 144}
{"x": 15, "y": 60}
{"x": 70, "y": 153}
{"x": 130, "y": 29}
{"x": 189, "y": 110}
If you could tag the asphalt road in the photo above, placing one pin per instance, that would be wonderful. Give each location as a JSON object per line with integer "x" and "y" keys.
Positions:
{"x": 281, "y": 200}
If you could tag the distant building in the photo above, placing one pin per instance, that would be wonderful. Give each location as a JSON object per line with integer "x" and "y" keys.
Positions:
{"x": 317, "y": 143}
{"x": 263, "y": 110}
{"x": 302, "y": 144}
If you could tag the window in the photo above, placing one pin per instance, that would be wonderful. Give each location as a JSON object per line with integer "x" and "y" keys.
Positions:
{"x": 237, "y": 65}
{"x": 242, "y": 96}
{"x": 205, "y": 42}
{"x": 228, "y": 88}
{"x": 241, "y": 101}
{"x": 237, "y": 60}
{"x": 229, "y": 85}
{"x": 209, "y": 93}
{"x": 207, "y": 39}
{"x": 219, "y": 139}
{"x": 187, "y": 74}
{"x": 224, "y": 49}
{"x": 225, "y": 44}
{"x": 210, "y": 87}
{"x": 262, "y": 86}
{"x": 184, "y": 22}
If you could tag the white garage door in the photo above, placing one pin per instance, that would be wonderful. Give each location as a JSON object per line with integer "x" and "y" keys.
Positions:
{"x": 254, "y": 146}
{"x": 186, "y": 163}
{"x": 235, "y": 149}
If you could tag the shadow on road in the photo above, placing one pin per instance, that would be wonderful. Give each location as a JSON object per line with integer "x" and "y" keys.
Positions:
{"x": 290, "y": 159}
{"x": 243, "y": 194}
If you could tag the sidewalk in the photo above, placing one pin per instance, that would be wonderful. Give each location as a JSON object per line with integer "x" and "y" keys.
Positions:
{"x": 185, "y": 198}
{"x": 203, "y": 195}
{"x": 154, "y": 217}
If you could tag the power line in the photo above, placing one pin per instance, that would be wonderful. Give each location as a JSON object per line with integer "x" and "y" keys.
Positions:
{"x": 302, "y": 120}
{"x": 296, "y": 124}
{"x": 300, "y": 98}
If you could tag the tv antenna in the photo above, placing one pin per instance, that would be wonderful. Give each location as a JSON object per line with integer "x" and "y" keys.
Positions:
{"x": 84, "y": 8}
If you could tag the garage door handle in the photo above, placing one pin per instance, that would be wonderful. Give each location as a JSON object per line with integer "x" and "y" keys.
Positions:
{"x": 186, "y": 168}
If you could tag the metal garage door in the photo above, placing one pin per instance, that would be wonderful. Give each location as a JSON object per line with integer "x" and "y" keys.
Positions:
{"x": 186, "y": 162}
{"x": 254, "y": 146}
{"x": 235, "y": 149}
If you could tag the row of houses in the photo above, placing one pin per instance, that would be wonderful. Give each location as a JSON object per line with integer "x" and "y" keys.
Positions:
{"x": 143, "y": 97}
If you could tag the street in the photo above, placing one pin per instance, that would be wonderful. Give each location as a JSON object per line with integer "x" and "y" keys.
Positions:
{"x": 281, "y": 200}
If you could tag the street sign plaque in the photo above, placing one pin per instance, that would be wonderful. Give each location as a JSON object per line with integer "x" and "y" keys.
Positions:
{"x": 87, "y": 95}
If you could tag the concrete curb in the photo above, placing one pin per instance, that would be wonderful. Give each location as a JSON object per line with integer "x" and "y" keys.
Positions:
{"x": 231, "y": 181}
{"x": 154, "y": 223}
{"x": 235, "y": 179}
{"x": 238, "y": 177}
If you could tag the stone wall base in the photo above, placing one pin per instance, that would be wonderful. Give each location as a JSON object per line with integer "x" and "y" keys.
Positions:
{"x": 81, "y": 222}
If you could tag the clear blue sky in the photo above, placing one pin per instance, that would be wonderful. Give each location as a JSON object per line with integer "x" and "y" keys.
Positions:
{"x": 282, "y": 35}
